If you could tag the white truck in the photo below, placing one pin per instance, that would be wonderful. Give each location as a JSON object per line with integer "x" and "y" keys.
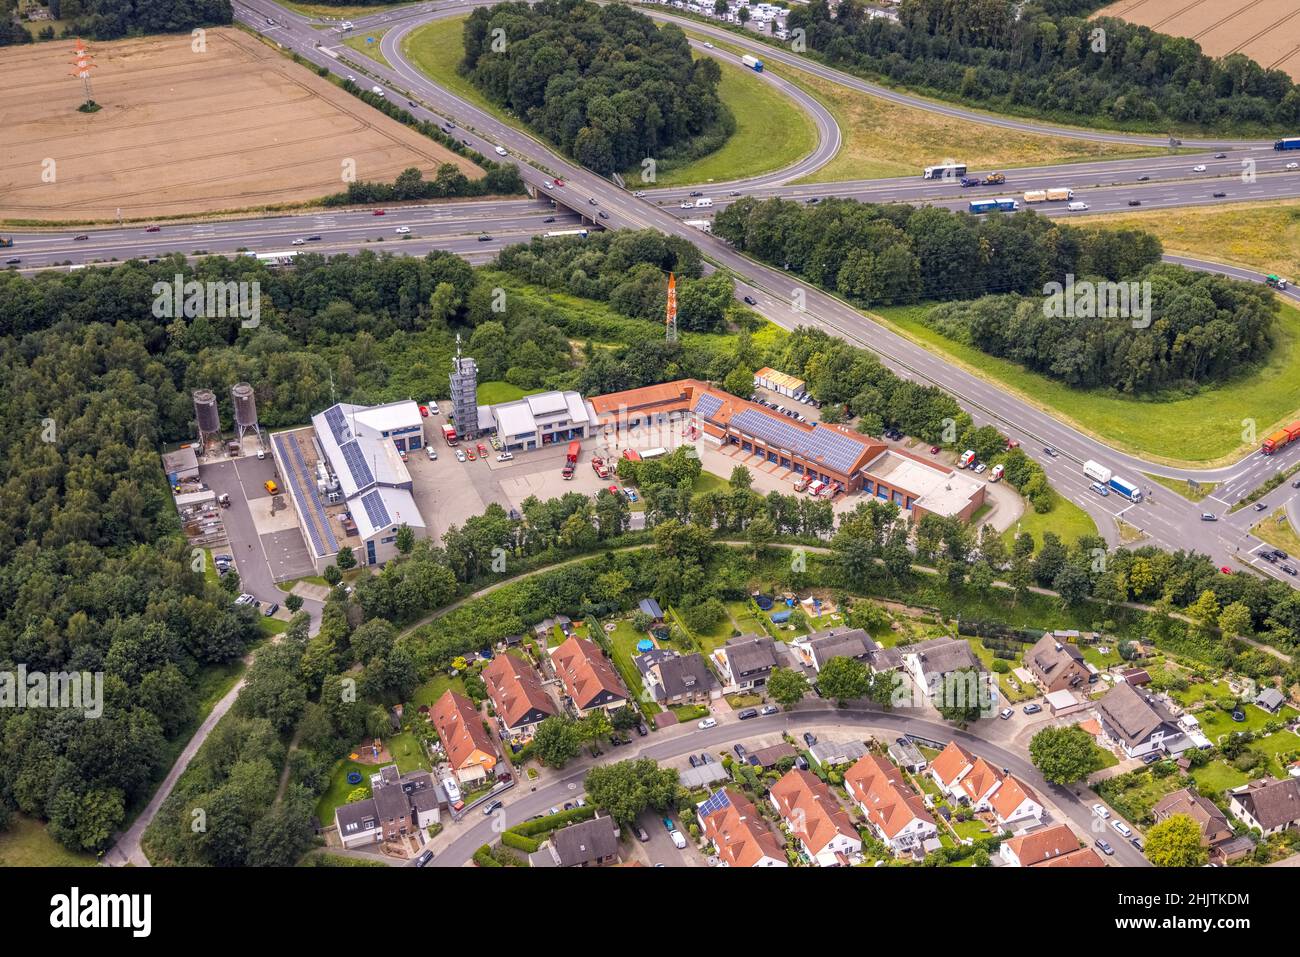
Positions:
{"x": 1096, "y": 471}
{"x": 704, "y": 203}
{"x": 703, "y": 225}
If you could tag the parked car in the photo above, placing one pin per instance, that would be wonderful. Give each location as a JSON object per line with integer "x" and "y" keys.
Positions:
{"x": 505, "y": 457}
{"x": 769, "y": 709}
{"x": 669, "y": 826}
{"x": 809, "y": 739}
{"x": 1032, "y": 708}
{"x": 424, "y": 858}
{"x": 695, "y": 762}
{"x": 270, "y": 609}
{"x": 641, "y": 729}
{"x": 1123, "y": 829}
{"x": 747, "y": 714}
{"x": 1005, "y": 713}
{"x": 641, "y": 835}
{"x": 1104, "y": 847}
{"x": 493, "y": 807}
{"x": 707, "y": 723}
{"x": 1101, "y": 812}
{"x": 741, "y": 751}
{"x": 460, "y": 455}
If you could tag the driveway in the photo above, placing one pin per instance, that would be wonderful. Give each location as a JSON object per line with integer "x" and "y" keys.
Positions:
{"x": 660, "y": 849}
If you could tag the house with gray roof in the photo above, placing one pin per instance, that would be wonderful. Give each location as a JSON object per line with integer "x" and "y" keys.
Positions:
{"x": 1271, "y": 700}
{"x": 930, "y": 662}
{"x": 819, "y": 647}
{"x": 1140, "y": 723}
{"x": 747, "y": 661}
{"x": 832, "y": 753}
{"x": 673, "y": 679}
{"x": 1056, "y": 664}
{"x": 1266, "y": 805}
{"x": 399, "y": 804}
{"x": 585, "y": 844}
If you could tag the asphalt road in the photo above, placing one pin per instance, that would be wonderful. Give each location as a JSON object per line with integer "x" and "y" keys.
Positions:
{"x": 524, "y": 804}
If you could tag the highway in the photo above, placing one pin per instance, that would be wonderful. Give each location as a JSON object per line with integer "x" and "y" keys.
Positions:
{"x": 1166, "y": 519}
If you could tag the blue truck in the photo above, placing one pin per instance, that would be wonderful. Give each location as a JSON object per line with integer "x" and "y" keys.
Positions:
{"x": 1126, "y": 488}
{"x": 1290, "y": 143}
{"x": 989, "y": 205}
{"x": 753, "y": 62}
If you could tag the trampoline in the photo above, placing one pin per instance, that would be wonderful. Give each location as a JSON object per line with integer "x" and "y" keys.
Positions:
{"x": 354, "y": 777}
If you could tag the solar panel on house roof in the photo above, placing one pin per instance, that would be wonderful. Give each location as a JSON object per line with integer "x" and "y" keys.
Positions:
{"x": 357, "y": 464}
{"x": 376, "y": 511}
{"x": 338, "y": 424}
{"x": 708, "y": 405}
{"x": 823, "y": 446}
{"x": 716, "y": 802}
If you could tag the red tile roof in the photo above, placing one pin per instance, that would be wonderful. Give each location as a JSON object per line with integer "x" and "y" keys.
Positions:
{"x": 585, "y": 672}
{"x": 461, "y": 731}
{"x": 1043, "y": 844}
{"x": 812, "y": 812}
{"x": 740, "y": 834}
{"x": 880, "y": 788}
{"x": 1011, "y": 795}
{"x": 982, "y": 779}
{"x": 952, "y": 761}
{"x": 515, "y": 689}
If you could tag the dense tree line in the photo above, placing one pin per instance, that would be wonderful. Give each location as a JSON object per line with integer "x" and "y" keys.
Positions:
{"x": 602, "y": 82}
{"x": 1026, "y": 59}
{"x": 111, "y": 19}
{"x": 881, "y": 255}
{"x": 1204, "y": 329}
{"x": 502, "y": 179}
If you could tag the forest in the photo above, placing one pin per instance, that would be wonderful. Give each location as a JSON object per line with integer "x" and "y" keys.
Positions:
{"x": 883, "y": 255}
{"x": 601, "y": 82}
{"x": 112, "y": 19}
{"x": 1204, "y": 329}
{"x": 1046, "y": 59}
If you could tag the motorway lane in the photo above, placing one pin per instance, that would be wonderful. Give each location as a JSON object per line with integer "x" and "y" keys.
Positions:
{"x": 522, "y": 805}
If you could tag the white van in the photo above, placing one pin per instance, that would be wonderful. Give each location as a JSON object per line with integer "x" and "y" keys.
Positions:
{"x": 1122, "y": 828}
{"x": 679, "y": 842}
{"x": 1077, "y": 207}
{"x": 377, "y": 90}
{"x": 703, "y": 203}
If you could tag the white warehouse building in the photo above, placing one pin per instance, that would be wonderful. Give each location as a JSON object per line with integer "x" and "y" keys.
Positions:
{"x": 536, "y": 421}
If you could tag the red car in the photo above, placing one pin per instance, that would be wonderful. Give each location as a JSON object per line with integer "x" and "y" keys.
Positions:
{"x": 1225, "y": 569}
{"x": 154, "y": 229}
{"x": 378, "y": 212}
{"x": 424, "y": 411}
{"x": 482, "y": 449}
{"x": 934, "y": 450}
{"x": 613, "y": 490}
{"x": 469, "y": 454}
{"x": 1013, "y": 443}
{"x": 558, "y": 181}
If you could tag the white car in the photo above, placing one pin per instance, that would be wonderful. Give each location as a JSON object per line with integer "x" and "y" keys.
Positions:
{"x": 433, "y": 453}
{"x": 505, "y": 457}
{"x": 500, "y": 150}
{"x": 1122, "y": 828}
{"x": 1293, "y": 165}
{"x": 1199, "y": 169}
{"x": 299, "y": 242}
{"x": 708, "y": 45}
{"x": 639, "y": 193}
{"x": 402, "y": 230}
{"x": 707, "y": 723}
{"x": 1101, "y": 812}
{"x": 460, "y": 456}
{"x": 547, "y": 184}
{"x": 679, "y": 841}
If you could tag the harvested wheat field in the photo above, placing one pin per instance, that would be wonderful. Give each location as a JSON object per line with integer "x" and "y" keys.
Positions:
{"x": 236, "y": 127}
{"x": 1267, "y": 31}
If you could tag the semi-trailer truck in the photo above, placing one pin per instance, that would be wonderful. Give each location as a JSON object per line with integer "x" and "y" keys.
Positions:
{"x": 1290, "y": 143}
{"x": 1281, "y": 438}
{"x": 946, "y": 171}
{"x": 1096, "y": 471}
{"x": 571, "y": 459}
{"x": 753, "y": 62}
{"x": 1126, "y": 488}
{"x": 1048, "y": 195}
{"x": 1275, "y": 282}
{"x": 990, "y": 205}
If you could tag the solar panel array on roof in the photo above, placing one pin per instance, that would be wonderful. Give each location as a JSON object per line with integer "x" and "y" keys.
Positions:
{"x": 338, "y": 423}
{"x": 716, "y": 802}
{"x": 321, "y": 527}
{"x": 708, "y": 405}
{"x": 357, "y": 464}
{"x": 823, "y": 446}
{"x": 376, "y": 511}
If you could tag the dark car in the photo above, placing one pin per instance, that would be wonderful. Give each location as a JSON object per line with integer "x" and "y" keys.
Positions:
{"x": 603, "y": 214}
{"x": 13, "y": 262}
{"x": 313, "y": 239}
{"x": 410, "y": 102}
{"x": 485, "y": 238}
{"x": 1136, "y": 842}
{"x": 1278, "y": 553}
{"x": 424, "y": 858}
{"x": 1220, "y": 195}
{"x": 1032, "y": 708}
{"x": 80, "y": 238}
{"x": 741, "y": 751}
{"x": 1288, "y": 569}
{"x": 549, "y": 219}
{"x": 1296, "y": 484}
{"x": 751, "y": 301}
{"x": 1151, "y": 758}
{"x": 747, "y": 714}
{"x": 271, "y": 609}
{"x": 809, "y": 738}
{"x": 492, "y": 808}
{"x": 1135, "y": 202}
{"x": 1259, "y": 506}
{"x": 1143, "y": 179}
{"x": 695, "y": 762}
{"x": 706, "y": 758}
{"x": 696, "y": 192}
{"x": 1220, "y": 156}
{"x": 642, "y": 730}
{"x": 1051, "y": 451}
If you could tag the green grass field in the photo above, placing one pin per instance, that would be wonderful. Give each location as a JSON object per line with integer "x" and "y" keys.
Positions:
{"x": 490, "y": 393}
{"x": 1067, "y": 520}
{"x": 1277, "y": 531}
{"x": 370, "y": 50}
{"x": 1182, "y": 488}
{"x": 26, "y": 843}
{"x": 1205, "y": 429}
{"x": 771, "y": 132}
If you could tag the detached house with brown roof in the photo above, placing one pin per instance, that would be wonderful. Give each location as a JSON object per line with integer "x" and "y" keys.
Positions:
{"x": 469, "y": 748}
{"x": 1216, "y": 832}
{"x": 517, "y": 695}
{"x": 953, "y": 763}
{"x": 1056, "y": 665}
{"x": 1267, "y": 806}
{"x": 1012, "y": 802}
{"x": 589, "y": 679}
{"x": 1054, "y": 846}
{"x": 816, "y": 820}
{"x": 894, "y": 811}
{"x": 738, "y": 833}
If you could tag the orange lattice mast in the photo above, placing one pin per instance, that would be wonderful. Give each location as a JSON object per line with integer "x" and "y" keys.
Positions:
{"x": 83, "y": 62}
{"x": 671, "y": 318}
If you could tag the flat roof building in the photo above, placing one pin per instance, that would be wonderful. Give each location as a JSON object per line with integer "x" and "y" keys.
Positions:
{"x": 536, "y": 421}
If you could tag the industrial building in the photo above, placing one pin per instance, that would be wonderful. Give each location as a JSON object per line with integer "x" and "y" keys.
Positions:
{"x": 536, "y": 421}
{"x": 347, "y": 480}
{"x": 832, "y": 454}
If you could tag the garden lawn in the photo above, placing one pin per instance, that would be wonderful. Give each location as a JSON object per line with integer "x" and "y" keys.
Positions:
{"x": 490, "y": 393}
{"x": 1215, "y": 722}
{"x": 26, "y": 843}
{"x": 435, "y": 688}
{"x": 707, "y": 641}
{"x": 623, "y": 641}
{"x": 1067, "y": 520}
{"x": 1217, "y": 777}
{"x": 1204, "y": 429}
{"x": 1134, "y": 794}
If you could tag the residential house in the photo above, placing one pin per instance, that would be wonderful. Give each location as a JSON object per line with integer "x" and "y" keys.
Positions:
{"x": 770, "y": 757}
{"x": 747, "y": 661}
{"x": 815, "y": 819}
{"x": 1138, "y": 723}
{"x": 1012, "y": 802}
{"x": 517, "y": 695}
{"x": 585, "y": 844}
{"x": 1054, "y": 846}
{"x": 399, "y": 804}
{"x": 895, "y": 812}
{"x": 739, "y": 834}
{"x": 819, "y": 647}
{"x": 1271, "y": 700}
{"x": 952, "y": 764}
{"x": 931, "y": 662}
{"x": 1056, "y": 665}
{"x": 1216, "y": 832}
{"x": 673, "y": 679}
{"x": 907, "y": 756}
{"x": 589, "y": 679}
{"x": 469, "y": 748}
{"x": 1266, "y": 805}
{"x": 834, "y": 753}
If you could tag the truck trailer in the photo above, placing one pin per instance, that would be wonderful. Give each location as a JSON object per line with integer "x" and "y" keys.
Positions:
{"x": 753, "y": 62}
{"x": 1096, "y": 471}
{"x": 1281, "y": 438}
{"x": 1290, "y": 143}
{"x": 1126, "y": 488}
